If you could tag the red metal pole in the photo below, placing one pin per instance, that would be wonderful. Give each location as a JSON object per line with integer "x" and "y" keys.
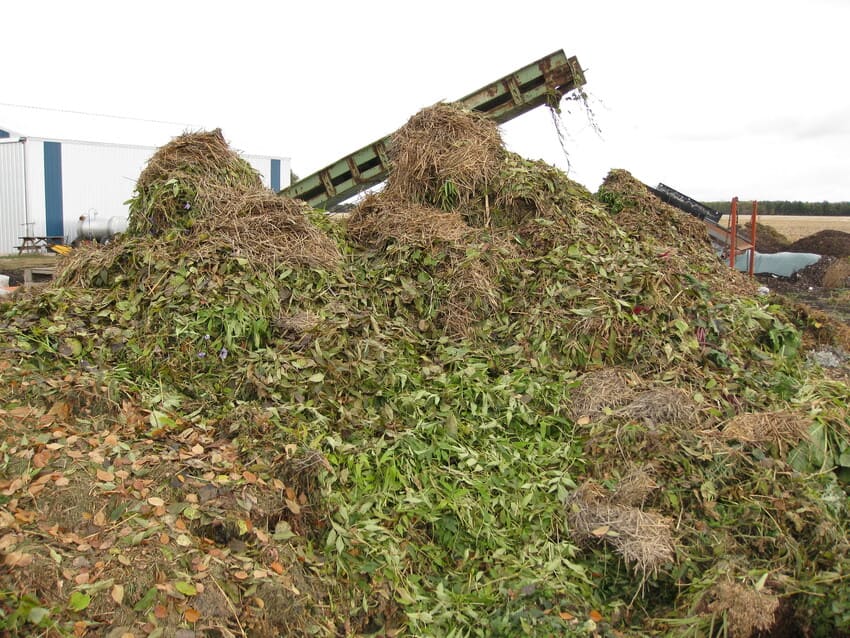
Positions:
{"x": 753, "y": 219}
{"x": 733, "y": 232}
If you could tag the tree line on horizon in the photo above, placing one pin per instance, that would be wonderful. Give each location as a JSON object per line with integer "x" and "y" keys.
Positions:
{"x": 778, "y": 207}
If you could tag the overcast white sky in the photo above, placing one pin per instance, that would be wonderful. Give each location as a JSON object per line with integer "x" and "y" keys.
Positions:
{"x": 717, "y": 99}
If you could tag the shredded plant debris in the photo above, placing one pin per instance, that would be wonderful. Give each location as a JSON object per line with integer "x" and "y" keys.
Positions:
{"x": 490, "y": 403}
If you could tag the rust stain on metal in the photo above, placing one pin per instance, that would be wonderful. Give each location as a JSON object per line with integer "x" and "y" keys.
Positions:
{"x": 559, "y": 77}
{"x": 352, "y": 166}
{"x": 381, "y": 152}
{"x": 327, "y": 183}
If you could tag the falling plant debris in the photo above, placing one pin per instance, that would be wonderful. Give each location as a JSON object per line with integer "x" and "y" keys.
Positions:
{"x": 490, "y": 403}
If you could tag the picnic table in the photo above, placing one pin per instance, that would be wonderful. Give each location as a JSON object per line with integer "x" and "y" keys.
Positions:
{"x": 35, "y": 243}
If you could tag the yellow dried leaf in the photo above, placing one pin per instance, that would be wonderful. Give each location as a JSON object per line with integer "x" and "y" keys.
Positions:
{"x": 117, "y": 594}
{"x": 183, "y": 540}
{"x": 599, "y": 532}
{"x": 17, "y": 559}
{"x": 293, "y": 506}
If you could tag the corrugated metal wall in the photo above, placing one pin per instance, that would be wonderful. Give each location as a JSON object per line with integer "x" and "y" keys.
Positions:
{"x": 97, "y": 179}
{"x": 13, "y": 215}
{"x": 271, "y": 169}
{"x": 36, "y": 207}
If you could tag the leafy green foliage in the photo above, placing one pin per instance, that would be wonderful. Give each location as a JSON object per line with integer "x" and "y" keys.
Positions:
{"x": 438, "y": 465}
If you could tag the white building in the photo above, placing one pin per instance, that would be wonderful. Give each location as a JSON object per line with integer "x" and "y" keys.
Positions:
{"x": 47, "y": 182}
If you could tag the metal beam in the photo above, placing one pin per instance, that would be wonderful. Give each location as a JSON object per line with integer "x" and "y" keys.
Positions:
{"x": 544, "y": 81}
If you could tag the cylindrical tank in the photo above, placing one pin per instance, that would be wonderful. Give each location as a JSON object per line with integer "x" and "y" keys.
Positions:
{"x": 100, "y": 228}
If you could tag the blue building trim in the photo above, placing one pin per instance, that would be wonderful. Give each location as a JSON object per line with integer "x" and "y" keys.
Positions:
{"x": 4, "y": 133}
{"x": 275, "y": 176}
{"x": 55, "y": 225}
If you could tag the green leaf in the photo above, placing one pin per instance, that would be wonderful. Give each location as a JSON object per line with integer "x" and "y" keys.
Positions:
{"x": 317, "y": 378}
{"x": 191, "y": 513}
{"x": 146, "y": 601}
{"x": 187, "y": 589}
{"x": 74, "y": 346}
{"x": 160, "y": 420}
{"x": 37, "y": 614}
{"x": 282, "y": 531}
{"x": 78, "y": 601}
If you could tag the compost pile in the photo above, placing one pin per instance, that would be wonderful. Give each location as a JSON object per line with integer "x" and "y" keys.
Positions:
{"x": 768, "y": 239}
{"x": 491, "y": 403}
{"x": 834, "y": 243}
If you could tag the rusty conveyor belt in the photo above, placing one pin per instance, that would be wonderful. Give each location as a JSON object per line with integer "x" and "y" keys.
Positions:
{"x": 544, "y": 81}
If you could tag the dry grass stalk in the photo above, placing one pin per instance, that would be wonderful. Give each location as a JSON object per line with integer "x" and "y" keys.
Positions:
{"x": 607, "y": 388}
{"x": 747, "y": 611}
{"x": 268, "y": 228}
{"x": 383, "y": 219}
{"x": 634, "y": 488}
{"x": 298, "y": 323}
{"x": 837, "y": 275}
{"x": 643, "y": 539}
{"x": 764, "y": 428}
{"x": 201, "y": 153}
{"x": 659, "y": 406}
{"x": 445, "y": 156}
{"x": 472, "y": 294}
{"x": 380, "y": 219}
{"x": 189, "y": 165}
{"x": 86, "y": 261}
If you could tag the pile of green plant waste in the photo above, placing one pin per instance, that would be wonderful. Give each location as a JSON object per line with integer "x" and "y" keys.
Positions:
{"x": 522, "y": 409}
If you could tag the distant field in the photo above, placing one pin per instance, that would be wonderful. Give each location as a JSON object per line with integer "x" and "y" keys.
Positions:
{"x": 796, "y": 226}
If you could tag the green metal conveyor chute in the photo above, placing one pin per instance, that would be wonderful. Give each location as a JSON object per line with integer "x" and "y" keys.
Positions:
{"x": 545, "y": 81}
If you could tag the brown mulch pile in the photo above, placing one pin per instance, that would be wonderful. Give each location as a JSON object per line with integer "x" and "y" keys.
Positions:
{"x": 768, "y": 239}
{"x": 835, "y": 243}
